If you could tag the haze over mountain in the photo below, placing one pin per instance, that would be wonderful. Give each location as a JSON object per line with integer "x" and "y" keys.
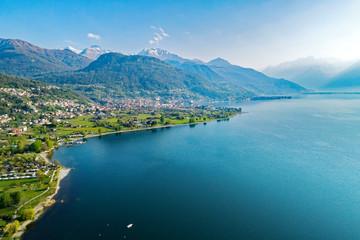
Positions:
{"x": 219, "y": 70}
{"x": 309, "y": 72}
{"x": 117, "y": 75}
{"x": 253, "y": 80}
{"x": 347, "y": 79}
{"x": 20, "y": 58}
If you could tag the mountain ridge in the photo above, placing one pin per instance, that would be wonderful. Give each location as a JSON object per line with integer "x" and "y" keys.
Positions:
{"x": 136, "y": 75}
{"x": 239, "y": 78}
{"x": 21, "y": 58}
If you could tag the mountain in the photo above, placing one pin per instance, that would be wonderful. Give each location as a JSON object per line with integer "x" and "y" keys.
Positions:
{"x": 117, "y": 75}
{"x": 221, "y": 72}
{"x": 219, "y": 62}
{"x": 309, "y": 72}
{"x": 77, "y": 51}
{"x": 195, "y": 66}
{"x": 26, "y": 92}
{"x": 253, "y": 80}
{"x": 20, "y": 58}
{"x": 162, "y": 55}
{"x": 93, "y": 52}
{"x": 349, "y": 78}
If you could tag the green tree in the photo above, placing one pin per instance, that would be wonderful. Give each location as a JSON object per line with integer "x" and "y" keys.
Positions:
{"x": 43, "y": 129}
{"x": 4, "y": 200}
{"x": 162, "y": 120}
{"x": 49, "y": 143}
{"x": 39, "y": 174}
{"x": 36, "y": 146}
{"x": 15, "y": 197}
{"x": 20, "y": 146}
{"x": 192, "y": 120}
{"x": 12, "y": 228}
{"x": 99, "y": 130}
{"x": 27, "y": 214}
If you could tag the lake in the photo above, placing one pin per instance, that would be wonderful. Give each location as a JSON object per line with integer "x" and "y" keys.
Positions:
{"x": 287, "y": 169}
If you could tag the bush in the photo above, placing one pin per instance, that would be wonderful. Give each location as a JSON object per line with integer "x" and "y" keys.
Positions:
{"x": 7, "y": 217}
{"x": 4, "y": 200}
{"x": 27, "y": 214}
{"x": 15, "y": 197}
{"x": 49, "y": 143}
{"x": 12, "y": 228}
{"x": 36, "y": 146}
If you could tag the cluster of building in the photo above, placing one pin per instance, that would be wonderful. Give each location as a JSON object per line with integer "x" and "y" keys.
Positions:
{"x": 17, "y": 92}
{"x": 5, "y": 118}
{"x": 130, "y": 103}
{"x": 26, "y": 171}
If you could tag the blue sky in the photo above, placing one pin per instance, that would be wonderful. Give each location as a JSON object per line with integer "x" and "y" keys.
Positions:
{"x": 248, "y": 33}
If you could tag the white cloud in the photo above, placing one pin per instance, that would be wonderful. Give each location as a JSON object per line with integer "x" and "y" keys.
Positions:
{"x": 159, "y": 35}
{"x": 71, "y": 42}
{"x": 91, "y": 35}
{"x": 163, "y": 32}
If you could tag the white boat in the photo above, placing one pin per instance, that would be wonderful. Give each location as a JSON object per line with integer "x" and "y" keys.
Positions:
{"x": 130, "y": 225}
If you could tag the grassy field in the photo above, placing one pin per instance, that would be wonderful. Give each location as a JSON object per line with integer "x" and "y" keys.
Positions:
{"x": 82, "y": 120}
{"x": 89, "y": 126}
{"x": 28, "y": 188}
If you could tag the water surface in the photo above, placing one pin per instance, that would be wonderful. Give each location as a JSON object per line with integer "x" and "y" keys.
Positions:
{"x": 288, "y": 169}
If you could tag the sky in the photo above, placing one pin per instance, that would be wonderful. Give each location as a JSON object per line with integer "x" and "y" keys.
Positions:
{"x": 249, "y": 33}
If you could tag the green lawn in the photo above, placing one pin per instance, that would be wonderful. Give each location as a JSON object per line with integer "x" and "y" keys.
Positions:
{"x": 29, "y": 188}
{"x": 82, "y": 120}
{"x": 68, "y": 130}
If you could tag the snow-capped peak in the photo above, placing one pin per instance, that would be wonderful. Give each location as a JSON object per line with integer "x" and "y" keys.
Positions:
{"x": 93, "y": 52}
{"x": 73, "y": 49}
{"x": 160, "y": 54}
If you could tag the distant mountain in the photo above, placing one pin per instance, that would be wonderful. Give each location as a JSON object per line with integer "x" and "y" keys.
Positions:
{"x": 93, "y": 52}
{"x": 253, "y": 80}
{"x": 221, "y": 72}
{"x": 219, "y": 62}
{"x": 20, "y": 58}
{"x": 309, "y": 72}
{"x": 347, "y": 79}
{"x": 118, "y": 75}
{"x": 162, "y": 55}
{"x": 77, "y": 51}
{"x": 195, "y": 66}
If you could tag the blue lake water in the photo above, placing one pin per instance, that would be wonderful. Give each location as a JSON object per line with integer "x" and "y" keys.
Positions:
{"x": 285, "y": 170}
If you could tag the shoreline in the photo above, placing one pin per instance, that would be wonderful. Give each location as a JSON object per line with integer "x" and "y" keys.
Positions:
{"x": 156, "y": 127}
{"x": 40, "y": 209}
